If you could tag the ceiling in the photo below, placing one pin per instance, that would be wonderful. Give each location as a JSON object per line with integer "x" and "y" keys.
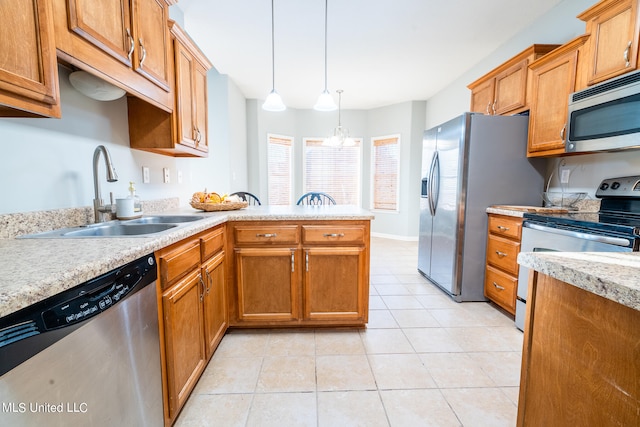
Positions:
{"x": 380, "y": 52}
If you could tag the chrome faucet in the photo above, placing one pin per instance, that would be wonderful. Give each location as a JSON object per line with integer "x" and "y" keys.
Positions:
{"x": 99, "y": 208}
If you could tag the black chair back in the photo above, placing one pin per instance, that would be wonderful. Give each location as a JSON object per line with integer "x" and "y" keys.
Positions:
{"x": 247, "y": 197}
{"x": 316, "y": 199}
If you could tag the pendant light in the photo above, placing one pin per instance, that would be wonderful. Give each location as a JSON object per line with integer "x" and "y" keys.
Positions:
{"x": 325, "y": 101}
{"x": 340, "y": 136}
{"x": 273, "y": 101}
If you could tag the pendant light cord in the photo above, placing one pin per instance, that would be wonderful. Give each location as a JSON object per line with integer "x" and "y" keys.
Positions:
{"x": 326, "y": 6}
{"x": 273, "y": 49}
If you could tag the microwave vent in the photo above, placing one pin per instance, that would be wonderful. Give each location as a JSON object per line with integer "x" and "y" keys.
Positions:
{"x": 606, "y": 86}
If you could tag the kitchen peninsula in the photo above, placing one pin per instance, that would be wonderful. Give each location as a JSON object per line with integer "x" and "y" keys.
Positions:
{"x": 581, "y": 354}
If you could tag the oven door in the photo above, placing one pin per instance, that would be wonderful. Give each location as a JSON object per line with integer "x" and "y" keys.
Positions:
{"x": 540, "y": 238}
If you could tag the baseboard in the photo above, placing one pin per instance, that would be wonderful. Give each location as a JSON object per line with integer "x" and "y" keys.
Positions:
{"x": 395, "y": 237}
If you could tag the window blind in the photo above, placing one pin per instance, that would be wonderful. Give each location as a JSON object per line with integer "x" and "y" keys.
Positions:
{"x": 333, "y": 170}
{"x": 279, "y": 169}
{"x": 386, "y": 165}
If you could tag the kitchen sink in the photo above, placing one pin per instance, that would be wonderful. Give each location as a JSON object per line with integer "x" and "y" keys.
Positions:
{"x": 141, "y": 227}
{"x": 165, "y": 219}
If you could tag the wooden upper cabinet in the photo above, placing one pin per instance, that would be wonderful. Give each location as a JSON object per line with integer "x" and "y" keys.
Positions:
{"x": 554, "y": 77}
{"x": 182, "y": 133}
{"x": 124, "y": 42}
{"x": 505, "y": 89}
{"x": 28, "y": 68}
{"x": 614, "y": 28}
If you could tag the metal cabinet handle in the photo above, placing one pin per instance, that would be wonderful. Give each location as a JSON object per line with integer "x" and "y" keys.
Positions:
{"x": 267, "y": 235}
{"x": 293, "y": 262}
{"x": 132, "y": 44}
{"x": 144, "y": 52}
{"x": 627, "y": 63}
{"x": 199, "y": 136}
{"x": 563, "y": 131}
{"x": 493, "y": 106}
{"x": 203, "y": 287}
{"x": 501, "y": 254}
{"x": 502, "y": 228}
{"x": 333, "y": 234}
{"x": 306, "y": 261}
{"x": 209, "y": 280}
{"x": 501, "y": 288}
{"x": 488, "y": 106}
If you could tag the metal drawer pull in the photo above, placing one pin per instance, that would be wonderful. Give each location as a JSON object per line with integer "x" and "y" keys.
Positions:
{"x": 498, "y": 286}
{"x": 626, "y": 55}
{"x": 502, "y": 228}
{"x": 333, "y": 234}
{"x": 266, "y": 235}
{"x": 501, "y": 254}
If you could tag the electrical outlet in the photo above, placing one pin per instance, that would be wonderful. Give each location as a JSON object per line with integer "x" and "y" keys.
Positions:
{"x": 166, "y": 175}
{"x": 145, "y": 175}
{"x": 179, "y": 177}
{"x": 564, "y": 176}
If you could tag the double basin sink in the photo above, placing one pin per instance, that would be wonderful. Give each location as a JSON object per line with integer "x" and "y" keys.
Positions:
{"x": 130, "y": 228}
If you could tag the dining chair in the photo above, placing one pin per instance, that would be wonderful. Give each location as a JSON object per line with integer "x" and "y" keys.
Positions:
{"x": 316, "y": 199}
{"x": 247, "y": 197}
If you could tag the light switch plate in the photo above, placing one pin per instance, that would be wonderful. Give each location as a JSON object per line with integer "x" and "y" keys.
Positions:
{"x": 145, "y": 175}
{"x": 166, "y": 175}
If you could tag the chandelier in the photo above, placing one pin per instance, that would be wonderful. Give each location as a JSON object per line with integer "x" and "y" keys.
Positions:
{"x": 340, "y": 137}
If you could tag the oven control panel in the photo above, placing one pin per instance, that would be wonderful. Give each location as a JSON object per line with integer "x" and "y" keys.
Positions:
{"x": 627, "y": 186}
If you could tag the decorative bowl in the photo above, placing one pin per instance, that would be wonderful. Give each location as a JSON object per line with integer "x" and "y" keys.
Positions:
{"x": 562, "y": 199}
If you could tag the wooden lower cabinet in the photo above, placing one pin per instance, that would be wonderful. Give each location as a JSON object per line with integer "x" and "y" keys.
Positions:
{"x": 184, "y": 339}
{"x": 267, "y": 284}
{"x": 333, "y": 286}
{"x": 580, "y": 359}
{"x": 299, "y": 274}
{"x": 214, "y": 303}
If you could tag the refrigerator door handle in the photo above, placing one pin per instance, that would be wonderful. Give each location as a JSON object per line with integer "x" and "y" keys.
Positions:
{"x": 432, "y": 208}
{"x": 434, "y": 183}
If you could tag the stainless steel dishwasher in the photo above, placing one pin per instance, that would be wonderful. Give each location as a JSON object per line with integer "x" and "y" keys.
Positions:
{"x": 88, "y": 356}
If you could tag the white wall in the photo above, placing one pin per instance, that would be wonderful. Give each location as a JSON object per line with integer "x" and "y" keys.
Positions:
{"x": 47, "y": 163}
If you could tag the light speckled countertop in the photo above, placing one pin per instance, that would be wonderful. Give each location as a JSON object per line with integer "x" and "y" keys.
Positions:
{"x": 34, "y": 269}
{"x": 612, "y": 275}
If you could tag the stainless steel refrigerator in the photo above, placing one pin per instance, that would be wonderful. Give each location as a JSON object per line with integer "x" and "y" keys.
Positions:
{"x": 468, "y": 164}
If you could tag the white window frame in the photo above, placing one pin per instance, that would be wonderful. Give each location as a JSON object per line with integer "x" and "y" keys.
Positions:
{"x": 270, "y": 137}
{"x": 373, "y": 173}
{"x": 359, "y": 142}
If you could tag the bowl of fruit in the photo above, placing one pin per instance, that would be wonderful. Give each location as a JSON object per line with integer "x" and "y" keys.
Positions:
{"x": 212, "y": 201}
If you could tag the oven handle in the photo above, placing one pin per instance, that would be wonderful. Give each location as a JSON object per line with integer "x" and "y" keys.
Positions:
{"x": 618, "y": 241}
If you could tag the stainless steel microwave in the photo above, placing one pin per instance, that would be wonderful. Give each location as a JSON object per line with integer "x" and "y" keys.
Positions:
{"x": 606, "y": 116}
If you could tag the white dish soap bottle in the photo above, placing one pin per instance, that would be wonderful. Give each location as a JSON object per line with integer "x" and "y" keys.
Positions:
{"x": 137, "y": 205}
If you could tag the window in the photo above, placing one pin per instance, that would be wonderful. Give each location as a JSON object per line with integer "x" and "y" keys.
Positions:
{"x": 279, "y": 169}
{"x": 333, "y": 170}
{"x": 385, "y": 167}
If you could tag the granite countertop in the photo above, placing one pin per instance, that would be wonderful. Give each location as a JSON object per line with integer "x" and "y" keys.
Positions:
{"x": 34, "y": 269}
{"x": 612, "y": 275}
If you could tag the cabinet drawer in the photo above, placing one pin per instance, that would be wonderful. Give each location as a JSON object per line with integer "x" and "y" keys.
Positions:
{"x": 211, "y": 243}
{"x": 178, "y": 262}
{"x": 505, "y": 226}
{"x": 501, "y": 288}
{"x": 332, "y": 234}
{"x": 285, "y": 234}
{"x": 503, "y": 253}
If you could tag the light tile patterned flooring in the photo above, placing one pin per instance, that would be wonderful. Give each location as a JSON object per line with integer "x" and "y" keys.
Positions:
{"x": 423, "y": 360}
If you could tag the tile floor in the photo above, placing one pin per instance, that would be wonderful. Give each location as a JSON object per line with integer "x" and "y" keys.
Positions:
{"x": 423, "y": 360}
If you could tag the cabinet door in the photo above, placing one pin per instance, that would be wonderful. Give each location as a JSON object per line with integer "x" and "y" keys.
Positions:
{"x": 511, "y": 88}
{"x": 28, "y": 68}
{"x": 200, "y": 105}
{"x": 482, "y": 98}
{"x": 185, "y": 107}
{"x": 552, "y": 84}
{"x": 267, "y": 284}
{"x": 151, "y": 56}
{"x": 184, "y": 338}
{"x": 106, "y": 24}
{"x": 215, "y": 306}
{"x": 334, "y": 285}
{"x": 614, "y": 41}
